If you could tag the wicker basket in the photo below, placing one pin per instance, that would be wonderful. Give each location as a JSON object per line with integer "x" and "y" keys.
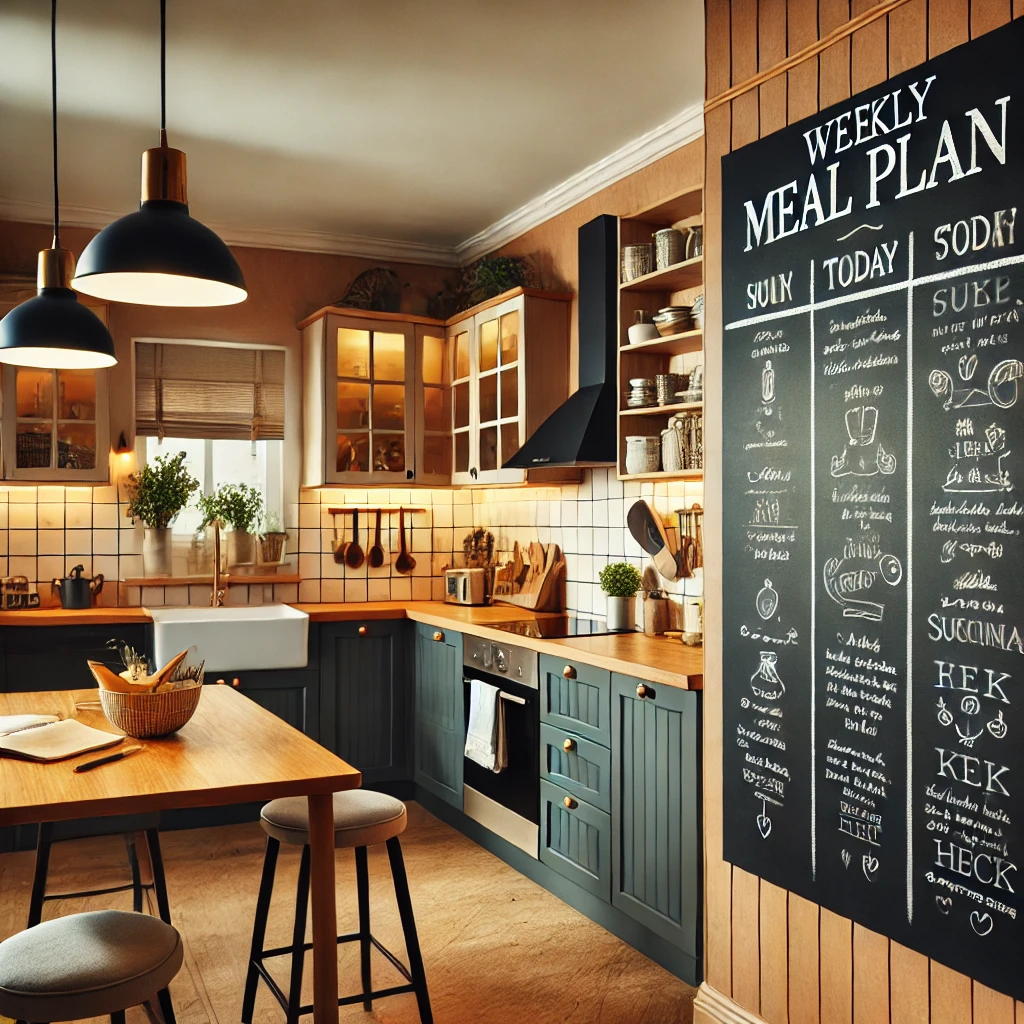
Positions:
{"x": 150, "y": 715}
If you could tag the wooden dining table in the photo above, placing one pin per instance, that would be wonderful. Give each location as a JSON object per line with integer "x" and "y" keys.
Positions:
{"x": 231, "y": 751}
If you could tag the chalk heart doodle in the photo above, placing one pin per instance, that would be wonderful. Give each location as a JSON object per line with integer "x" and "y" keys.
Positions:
{"x": 846, "y": 858}
{"x": 944, "y": 903}
{"x": 764, "y": 825}
{"x": 869, "y": 863}
{"x": 981, "y": 923}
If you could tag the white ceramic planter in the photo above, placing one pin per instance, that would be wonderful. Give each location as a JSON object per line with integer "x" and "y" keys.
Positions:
{"x": 156, "y": 551}
{"x": 622, "y": 613}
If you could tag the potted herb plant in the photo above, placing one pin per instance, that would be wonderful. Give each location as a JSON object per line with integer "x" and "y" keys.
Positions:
{"x": 156, "y": 494}
{"x": 272, "y": 540}
{"x": 620, "y": 581}
{"x": 239, "y": 507}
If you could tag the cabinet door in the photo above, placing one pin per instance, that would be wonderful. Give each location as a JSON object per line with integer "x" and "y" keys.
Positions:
{"x": 575, "y": 697}
{"x": 460, "y": 371}
{"x": 656, "y": 759}
{"x": 440, "y": 726}
{"x": 575, "y": 839}
{"x": 291, "y": 694}
{"x": 362, "y": 697}
{"x": 370, "y": 401}
{"x": 433, "y": 406}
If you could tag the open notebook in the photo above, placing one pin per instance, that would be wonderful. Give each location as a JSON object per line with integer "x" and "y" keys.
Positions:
{"x": 46, "y": 738}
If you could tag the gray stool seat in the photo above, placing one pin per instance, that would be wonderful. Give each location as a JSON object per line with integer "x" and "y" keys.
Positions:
{"x": 86, "y": 965}
{"x": 361, "y": 818}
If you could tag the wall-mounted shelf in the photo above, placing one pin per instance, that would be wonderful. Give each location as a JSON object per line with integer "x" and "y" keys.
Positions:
{"x": 671, "y": 344}
{"x": 684, "y": 474}
{"x": 688, "y": 274}
{"x": 228, "y": 580}
{"x": 369, "y": 511}
{"x": 663, "y": 410}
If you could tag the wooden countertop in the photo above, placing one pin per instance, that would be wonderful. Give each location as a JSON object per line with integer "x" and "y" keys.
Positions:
{"x": 656, "y": 659}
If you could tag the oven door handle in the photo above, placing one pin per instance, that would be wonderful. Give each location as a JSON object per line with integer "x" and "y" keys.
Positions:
{"x": 512, "y": 697}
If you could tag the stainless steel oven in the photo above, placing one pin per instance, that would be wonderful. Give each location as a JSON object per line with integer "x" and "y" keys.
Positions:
{"x": 507, "y": 802}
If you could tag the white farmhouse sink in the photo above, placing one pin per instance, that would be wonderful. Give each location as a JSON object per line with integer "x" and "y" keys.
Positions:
{"x": 229, "y": 639}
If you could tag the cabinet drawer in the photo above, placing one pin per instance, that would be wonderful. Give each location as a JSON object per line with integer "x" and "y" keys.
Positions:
{"x": 576, "y": 840}
{"x": 576, "y": 697}
{"x": 585, "y": 769}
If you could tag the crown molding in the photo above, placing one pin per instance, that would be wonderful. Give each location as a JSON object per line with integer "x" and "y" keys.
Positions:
{"x": 685, "y": 127}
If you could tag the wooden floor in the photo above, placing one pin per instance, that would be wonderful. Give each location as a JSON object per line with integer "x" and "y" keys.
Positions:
{"x": 497, "y": 947}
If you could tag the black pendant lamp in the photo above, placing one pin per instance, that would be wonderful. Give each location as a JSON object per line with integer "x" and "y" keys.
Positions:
{"x": 54, "y": 330}
{"x": 160, "y": 256}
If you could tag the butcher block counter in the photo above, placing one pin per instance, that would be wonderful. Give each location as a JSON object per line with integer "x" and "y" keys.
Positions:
{"x": 654, "y": 658}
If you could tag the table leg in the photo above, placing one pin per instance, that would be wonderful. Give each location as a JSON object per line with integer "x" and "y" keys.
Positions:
{"x": 325, "y": 918}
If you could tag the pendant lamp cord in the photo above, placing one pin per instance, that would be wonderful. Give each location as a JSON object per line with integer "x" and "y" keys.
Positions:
{"x": 163, "y": 72}
{"x": 53, "y": 81}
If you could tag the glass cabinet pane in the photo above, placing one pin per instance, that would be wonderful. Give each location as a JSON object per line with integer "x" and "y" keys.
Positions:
{"x": 510, "y": 337}
{"x": 437, "y": 455}
{"x": 433, "y": 359}
{"x": 35, "y": 393}
{"x": 388, "y": 453}
{"x": 76, "y": 446}
{"x": 435, "y": 408}
{"x": 461, "y": 418}
{"x": 353, "y": 353}
{"x": 388, "y": 407}
{"x": 35, "y": 445}
{"x": 510, "y": 392}
{"x": 461, "y": 355}
{"x": 488, "y": 449}
{"x": 488, "y": 345}
{"x": 489, "y": 398}
{"x": 76, "y": 391}
{"x": 388, "y": 356}
{"x": 509, "y": 441}
{"x": 353, "y": 405}
{"x": 462, "y": 452}
{"x": 352, "y": 453}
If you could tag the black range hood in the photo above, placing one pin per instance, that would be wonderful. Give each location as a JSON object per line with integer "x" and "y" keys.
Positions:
{"x": 581, "y": 431}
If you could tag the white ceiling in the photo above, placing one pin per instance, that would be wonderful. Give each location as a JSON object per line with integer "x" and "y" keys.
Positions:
{"x": 415, "y": 120}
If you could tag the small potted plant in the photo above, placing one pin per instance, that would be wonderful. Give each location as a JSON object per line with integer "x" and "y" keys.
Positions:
{"x": 239, "y": 507}
{"x": 156, "y": 494}
{"x": 272, "y": 540}
{"x": 620, "y": 581}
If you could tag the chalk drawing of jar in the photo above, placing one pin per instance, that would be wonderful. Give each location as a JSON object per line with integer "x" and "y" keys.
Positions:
{"x": 768, "y": 383}
{"x": 765, "y": 682}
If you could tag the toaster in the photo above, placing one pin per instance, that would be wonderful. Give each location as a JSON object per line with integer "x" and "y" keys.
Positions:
{"x": 467, "y": 586}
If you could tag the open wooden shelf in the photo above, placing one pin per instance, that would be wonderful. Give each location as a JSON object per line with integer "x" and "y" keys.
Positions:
{"x": 233, "y": 580}
{"x": 663, "y": 410}
{"x": 671, "y": 344}
{"x": 688, "y": 274}
{"x": 682, "y": 474}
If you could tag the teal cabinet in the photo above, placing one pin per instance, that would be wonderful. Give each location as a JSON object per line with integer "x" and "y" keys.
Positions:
{"x": 291, "y": 694}
{"x": 363, "y": 697}
{"x": 656, "y": 811}
{"x": 575, "y": 839}
{"x": 438, "y": 712}
{"x": 579, "y": 766}
{"x": 575, "y": 697}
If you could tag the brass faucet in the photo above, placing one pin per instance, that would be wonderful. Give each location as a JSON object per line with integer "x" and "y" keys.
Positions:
{"x": 217, "y": 596}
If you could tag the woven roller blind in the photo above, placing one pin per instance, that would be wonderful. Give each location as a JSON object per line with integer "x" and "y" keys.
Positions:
{"x": 206, "y": 391}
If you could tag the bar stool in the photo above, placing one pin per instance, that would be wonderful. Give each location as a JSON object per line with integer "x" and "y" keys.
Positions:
{"x": 362, "y": 818}
{"x": 88, "y": 965}
{"x": 127, "y": 825}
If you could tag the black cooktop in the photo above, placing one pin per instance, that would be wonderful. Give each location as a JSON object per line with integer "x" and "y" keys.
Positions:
{"x": 556, "y": 627}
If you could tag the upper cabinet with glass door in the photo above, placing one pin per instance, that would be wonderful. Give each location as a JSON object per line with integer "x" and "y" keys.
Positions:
{"x": 56, "y": 423}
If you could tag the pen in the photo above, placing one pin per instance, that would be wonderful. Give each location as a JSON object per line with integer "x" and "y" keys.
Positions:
{"x": 88, "y": 766}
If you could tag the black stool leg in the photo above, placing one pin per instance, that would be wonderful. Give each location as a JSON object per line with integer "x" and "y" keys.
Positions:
{"x": 133, "y": 863}
{"x": 156, "y": 860}
{"x": 363, "y": 892}
{"x": 299, "y": 939}
{"x": 166, "y": 1007}
{"x": 259, "y": 928}
{"x": 43, "y": 843}
{"x": 117, "y": 1017}
{"x": 412, "y": 943}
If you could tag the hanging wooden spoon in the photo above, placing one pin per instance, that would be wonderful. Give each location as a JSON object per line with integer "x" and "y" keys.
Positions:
{"x": 404, "y": 563}
{"x": 376, "y": 555}
{"x": 338, "y": 545}
{"x": 354, "y": 556}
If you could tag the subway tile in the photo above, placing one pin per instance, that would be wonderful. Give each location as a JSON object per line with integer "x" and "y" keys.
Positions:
{"x": 78, "y": 517}
{"x": 130, "y": 542}
{"x": 104, "y": 542}
{"x": 130, "y": 597}
{"x": 130, "y": 566}
{"x": 601, "y": 541}
{"x": 50, "y": 542}
{"x": 310, "y": 540}
{"x": 237, "y": 597}
{"x": 309, "y": 591}
{"x": 463, "y": 517}
{"x": 570, "y": 539}
{"x": 333, "y": 590}
{"x": 586, "y": 489}
{"x": 569, "y": 516}
{"x": 309, "y": 517}
{"x": 78, "y": 494}
{"x": 442, "y": 516}
{"x": 378, "y": 590}
{"x": 421, "y": 588}
{"x": 309, "y": 566}
{"x": 51, "y": 567}
{"x": 50, "y": 494}
{"x": 106, "y": 495}
{"x": 50, "y": 516}
{"x": 106, "y": 566}
{"x": 401, "y": 588}
{"x": 309, "y": 496}
{"x": 616, "y": 547}
{"x": 600, "y": 511}
{"x": 176, "y": 596}
{"x": 22, "y": 517}
{"x": 78, "y": 542}
{"x": 329, "y": 568}
{"x": 4, "y": 535}
{"x": 286, "y": 593}
{"x": 585, "y": 540}
{"x": 104, "y": 517}
{"x": 355, "y": 590}
{"x": 4, "y": 515}
{"x": 462, "y": 497}
{"x": 599, "y": 483}
{"x": 22, "y": 565}
{"x": 22, "y": 495}
{"x": 22, "y": 542}
{"x": 585, "y": 513}
{"x": 437, "y": 588}
{"x": 615, "y": 485}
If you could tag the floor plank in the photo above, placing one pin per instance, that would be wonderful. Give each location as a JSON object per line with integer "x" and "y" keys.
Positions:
{"x": 497, "y": 947}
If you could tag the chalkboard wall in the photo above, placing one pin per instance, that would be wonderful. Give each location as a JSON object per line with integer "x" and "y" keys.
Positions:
{"x": 873, "y": 454}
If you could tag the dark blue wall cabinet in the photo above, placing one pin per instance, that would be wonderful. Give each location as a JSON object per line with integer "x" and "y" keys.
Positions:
{"x": 440, "y": 726}
{"x": 363, "y": 697}
{"x": 656, "y": 819}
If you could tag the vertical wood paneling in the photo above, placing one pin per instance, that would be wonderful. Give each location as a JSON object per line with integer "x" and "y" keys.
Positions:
{"x": 947, "y": 25}
{"x": 774, "y": 954}
{"x": 744, "y": 66}
{"x": 746, "y": 941}
{"x": 908, "y": 988}
{"x": 717, "y": 48}
{"x": 771, "y": 47}
{"x": 908, "y": 36}
{"x": 991, "y": 1007}
{"x": 835, "y": 959}
{"x": 869, "y": 51}
{"x": 989, "y": 14}
{"x": 870, "y": 977}
{"x": 802, "y": 84}
{"x": 803, "y": 961}
{"x": 951, "y": 996}
{"x": 833, "y": 63}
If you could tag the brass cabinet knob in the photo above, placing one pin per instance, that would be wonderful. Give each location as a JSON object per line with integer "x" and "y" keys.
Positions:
{"x": 362, "y": 631}
{"x": 570, "y": 803}
{"x": 569, "y": 672}
{"x": 220, "y": 682}
{"x": 568, "y": 745}
{"x": 439, "y": 637}
{"x": 643, "y": 691}
{"x": 236, "y": 681}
